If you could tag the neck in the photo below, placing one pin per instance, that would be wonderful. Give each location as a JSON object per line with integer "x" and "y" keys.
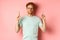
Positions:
{"x": 30, "y": 15}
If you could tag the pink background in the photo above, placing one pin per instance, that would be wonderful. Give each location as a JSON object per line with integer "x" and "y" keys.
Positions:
{"x": 9, "y": 10}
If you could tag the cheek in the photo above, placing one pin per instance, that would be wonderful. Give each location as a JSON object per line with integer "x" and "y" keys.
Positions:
{"x": 32, "y": 10}
{"x": 28, "y": 10}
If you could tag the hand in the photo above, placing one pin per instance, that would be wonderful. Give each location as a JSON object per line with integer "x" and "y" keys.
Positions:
{"x": 18, "y": 17}
{"x": 43, "y": 17}
{"x": 17, "y": 28}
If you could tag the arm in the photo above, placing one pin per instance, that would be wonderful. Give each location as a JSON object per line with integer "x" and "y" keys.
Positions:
{"x": 19, "y": 24}
{"x": 43, "y": 24}
{"x": 17, "y": 27}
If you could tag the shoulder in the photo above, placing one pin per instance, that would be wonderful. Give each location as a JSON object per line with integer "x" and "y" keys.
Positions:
{"x": 38, "y": 18}
{"x": 22, "y": 17}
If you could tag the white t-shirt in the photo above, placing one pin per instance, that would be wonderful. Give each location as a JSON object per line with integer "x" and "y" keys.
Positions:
{"x": 30, "y": 26}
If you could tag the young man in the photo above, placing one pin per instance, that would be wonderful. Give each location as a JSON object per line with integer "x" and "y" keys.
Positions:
{"x": 30, "y": 23}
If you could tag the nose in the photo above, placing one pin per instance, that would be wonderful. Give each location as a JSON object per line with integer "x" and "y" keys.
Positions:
{"x": 31, "y": 9}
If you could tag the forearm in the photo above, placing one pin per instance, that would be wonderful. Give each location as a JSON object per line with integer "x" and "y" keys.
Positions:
{"x": 44, "y": 26}
{"x": 17, "y": 27}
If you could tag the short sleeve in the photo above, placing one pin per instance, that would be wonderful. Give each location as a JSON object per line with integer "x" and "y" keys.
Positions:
{"x": 40, "y": 23}
{"x": 20, "y": 21}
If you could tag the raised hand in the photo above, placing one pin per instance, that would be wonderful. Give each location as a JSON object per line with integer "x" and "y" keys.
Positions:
{"x": 43, "y": 17}
{"x": 18, "y": 17}
{"x": 44, "y": 23}
{"x": 17, "y": 28}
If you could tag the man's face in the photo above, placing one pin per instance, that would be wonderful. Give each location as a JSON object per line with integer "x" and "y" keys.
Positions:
{"x": 30, "y": 9}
